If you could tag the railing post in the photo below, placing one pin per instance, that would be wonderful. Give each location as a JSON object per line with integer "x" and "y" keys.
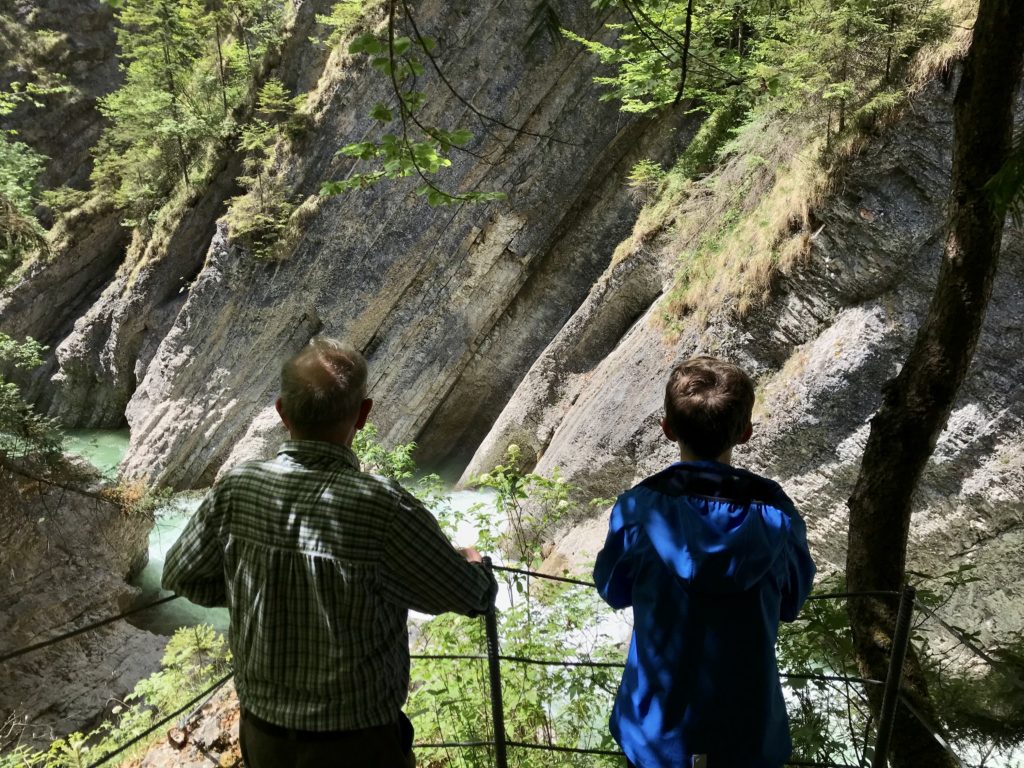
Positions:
{"x": 894, "y": 677}
{"x": 494, "y": 667}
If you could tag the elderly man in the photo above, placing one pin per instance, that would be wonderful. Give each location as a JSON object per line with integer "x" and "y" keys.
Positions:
{"x": 319, "y": 564}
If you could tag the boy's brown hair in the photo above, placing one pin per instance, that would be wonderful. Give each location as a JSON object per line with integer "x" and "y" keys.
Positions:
{"x": 708, "y": 403}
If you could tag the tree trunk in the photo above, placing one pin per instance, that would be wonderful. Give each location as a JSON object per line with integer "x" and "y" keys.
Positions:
{"x": 917, "y": 404}
{"x": 220, "y": 68}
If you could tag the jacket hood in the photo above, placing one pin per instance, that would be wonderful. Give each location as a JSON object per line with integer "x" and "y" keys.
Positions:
{"x": 716, "y": 527}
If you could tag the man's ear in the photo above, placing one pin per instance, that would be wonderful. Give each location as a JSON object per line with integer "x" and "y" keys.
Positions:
{"x": 364, "y": 413}
{"x": 746, "y": 434}
{"x": 669, "y": 432}
{"x": 280, "y": 412}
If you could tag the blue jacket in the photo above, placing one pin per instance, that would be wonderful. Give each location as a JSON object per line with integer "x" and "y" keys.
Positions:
{"x": 711, "y": 558}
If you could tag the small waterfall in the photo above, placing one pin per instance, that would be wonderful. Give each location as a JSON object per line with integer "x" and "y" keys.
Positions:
{"x": 165, "y": 619}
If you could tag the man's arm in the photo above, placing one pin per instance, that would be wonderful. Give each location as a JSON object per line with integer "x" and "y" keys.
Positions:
{"x": 194, "y": 566}
{"x": 424, "y": 572}
{"x": 613, "y": 568}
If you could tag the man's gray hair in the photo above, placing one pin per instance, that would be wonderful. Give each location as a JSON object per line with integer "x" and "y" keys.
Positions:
{"x": 323, "y": 385}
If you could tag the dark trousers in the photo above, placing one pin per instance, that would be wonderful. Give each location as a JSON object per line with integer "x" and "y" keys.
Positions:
{"x": 265, "y": 745}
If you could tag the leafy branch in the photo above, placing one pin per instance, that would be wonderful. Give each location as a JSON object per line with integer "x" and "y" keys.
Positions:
{"x": 400, "y": 155}
{"x": 416, "y": 149}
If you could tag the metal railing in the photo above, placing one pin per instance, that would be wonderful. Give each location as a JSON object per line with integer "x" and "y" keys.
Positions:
{"x": 500, "y": 743}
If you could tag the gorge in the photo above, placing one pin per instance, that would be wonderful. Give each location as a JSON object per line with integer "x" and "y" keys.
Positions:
{"x": 547, "y": 320}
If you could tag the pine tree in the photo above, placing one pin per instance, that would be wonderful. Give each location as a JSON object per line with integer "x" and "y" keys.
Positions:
{"x": 187, "y": 65}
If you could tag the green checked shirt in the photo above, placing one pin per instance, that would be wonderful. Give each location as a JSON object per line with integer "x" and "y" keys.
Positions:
{"x": 319, "y": 564}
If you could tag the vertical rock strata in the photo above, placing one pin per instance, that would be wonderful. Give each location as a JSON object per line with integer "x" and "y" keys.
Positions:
{"x": 99, "y": 362}
{"x": 451, "y": 304}
{"x": 76, "y": 40}
{"x": 835, "y": 328}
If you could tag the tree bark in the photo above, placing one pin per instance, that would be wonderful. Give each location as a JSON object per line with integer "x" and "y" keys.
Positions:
{"x": 917, "y": 404}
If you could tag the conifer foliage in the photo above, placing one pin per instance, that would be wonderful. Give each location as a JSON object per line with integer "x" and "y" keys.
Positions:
{"x": 834, "y": 60}
{"x": 188, "y": 66}
{"x": 256, "y": 219}
{"x": 20, "y": 231}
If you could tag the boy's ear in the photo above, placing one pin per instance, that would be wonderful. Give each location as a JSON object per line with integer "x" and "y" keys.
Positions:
{"x": 746, "y": 434}
{"x": 669, "y": 432}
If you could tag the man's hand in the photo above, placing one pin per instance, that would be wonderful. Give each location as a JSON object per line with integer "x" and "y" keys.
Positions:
{"x": 471, "y": 555}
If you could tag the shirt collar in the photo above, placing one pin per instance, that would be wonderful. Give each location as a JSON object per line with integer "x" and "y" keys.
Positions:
{"x": 319, "y": 450}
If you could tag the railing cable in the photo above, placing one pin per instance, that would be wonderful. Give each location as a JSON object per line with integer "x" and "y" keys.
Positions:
{"x": 864, "y": 593}
{"x": 619, "y": 665}
{"x": 549, "y": 577}
{"x": 829, "y": 678}
{"x": 82, "y": 630}
{"x": 494, "y": 656}
{"x": 520, "y": 660}
{"x": 930, "y": 729}
{"x": 559, "y": 748}
{"x": 589, "y": 751}
{"x": 136, "y": 739}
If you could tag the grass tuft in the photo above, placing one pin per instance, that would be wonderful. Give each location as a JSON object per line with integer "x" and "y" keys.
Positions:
{"x": 742, "y": 224}
{"x": 935, "y": 58}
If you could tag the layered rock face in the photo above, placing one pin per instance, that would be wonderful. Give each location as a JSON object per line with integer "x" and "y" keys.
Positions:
{"x": 451, "y": 305}
{"x": 140, "y": 276}
{"x": 73, "y": 39}
{"x": 65, "y": 555}
{"x": 76, "y": 41}
{"x": 512, "y": 322}
{"x": 837, "y": 326}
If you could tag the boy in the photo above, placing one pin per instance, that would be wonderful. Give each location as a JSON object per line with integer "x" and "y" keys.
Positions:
{"x": 711, "y": 558}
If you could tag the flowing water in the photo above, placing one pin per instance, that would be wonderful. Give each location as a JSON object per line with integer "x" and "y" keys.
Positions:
{"x": 104, "y": 449}
{"x": 165, "y": 619}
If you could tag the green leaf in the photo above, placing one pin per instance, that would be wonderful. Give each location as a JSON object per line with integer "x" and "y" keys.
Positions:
{"x": 460, "y": 137}
{"x": 383, "y": 64}
{"x": 364, "y": 150}
{"x": 401, "y": 45}
{"x": 330, "y": 188}
{"x": 367, "y": 43}
{"x": 414, "y": 99}
{"x": 381, "y": 112}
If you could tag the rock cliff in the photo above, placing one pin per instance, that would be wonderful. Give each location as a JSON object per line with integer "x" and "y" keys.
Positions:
{"x": 533, "y": 320}
{"x": 833, "y": 326}
{"x": 66, "y": 555}
{"x": 451, "y": 305}
{"x": 72, "y": 40}
{"x": 71, "y": 45}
